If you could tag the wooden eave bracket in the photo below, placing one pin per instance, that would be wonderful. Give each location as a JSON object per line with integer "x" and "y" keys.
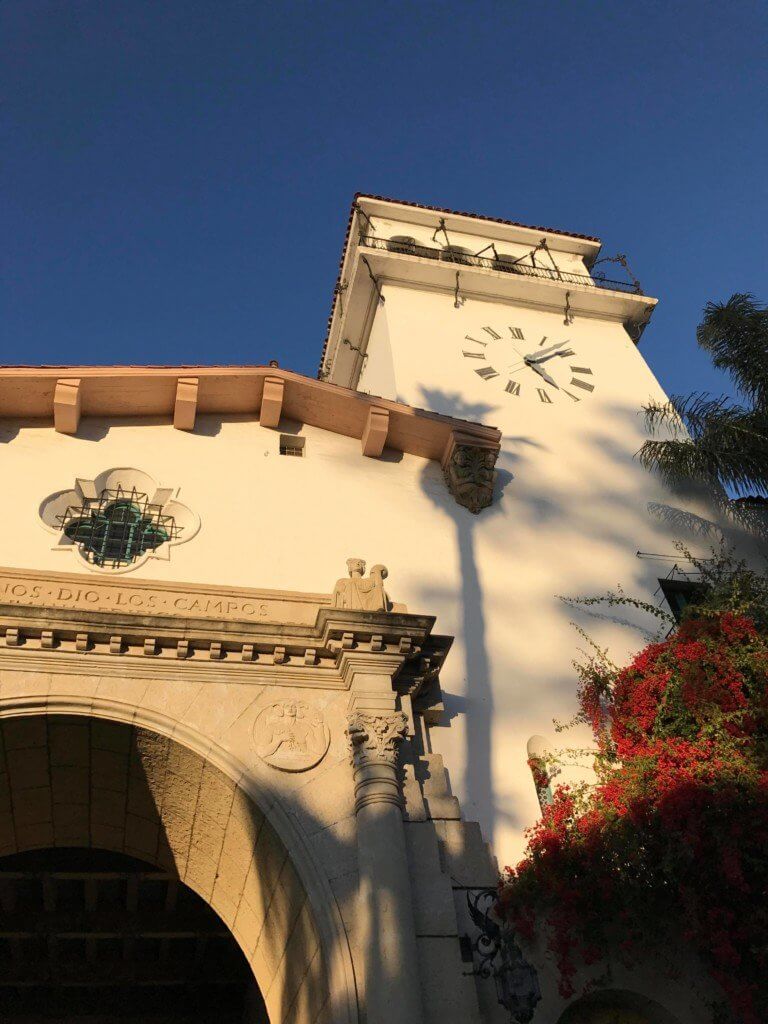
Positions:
{"x": 272, "y": 401}
{"x": 179, "y": 392}
{"x": 375, "y": 432}
{"x": 67, "y": 402}
{"x": 185, "y": 407}
{"x": 468, "y": 464}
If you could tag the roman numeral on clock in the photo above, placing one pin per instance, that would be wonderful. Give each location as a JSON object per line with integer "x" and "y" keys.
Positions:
{"x": 493, "y": 334}
{"x": 516, "y": 333}
{"x": 476, "y": 342}
{"x": 543, "y": 396}
{"x": 474, "y": 355}
{"x": 513, "y": 388}
{"x": 487, "y": 373}
{"x": 583, "y": 384}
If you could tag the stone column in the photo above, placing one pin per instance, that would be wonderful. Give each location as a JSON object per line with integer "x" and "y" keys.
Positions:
{"x": 376, "y": 730}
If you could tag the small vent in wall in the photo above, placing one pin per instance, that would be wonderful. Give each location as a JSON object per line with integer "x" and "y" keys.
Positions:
{"x": 290, "y": 444}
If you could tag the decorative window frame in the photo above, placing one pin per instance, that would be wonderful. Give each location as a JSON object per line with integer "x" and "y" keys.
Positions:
{"x": 54, "y": 507}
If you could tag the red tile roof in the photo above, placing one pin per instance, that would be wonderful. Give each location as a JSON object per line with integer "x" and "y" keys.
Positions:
{"x": 476, "y": 216}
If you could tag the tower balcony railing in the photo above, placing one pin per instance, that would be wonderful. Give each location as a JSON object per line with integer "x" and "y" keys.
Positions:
{"x": 505, "y": 264}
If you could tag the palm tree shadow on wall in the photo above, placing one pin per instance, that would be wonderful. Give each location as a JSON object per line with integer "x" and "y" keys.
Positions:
{"x": 478, "y": 704}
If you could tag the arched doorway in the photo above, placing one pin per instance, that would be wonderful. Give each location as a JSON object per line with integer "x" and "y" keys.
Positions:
{"x": 616, "y": 1007}
{"x": 92, "y": 936}
{"x": 105, "y": 788}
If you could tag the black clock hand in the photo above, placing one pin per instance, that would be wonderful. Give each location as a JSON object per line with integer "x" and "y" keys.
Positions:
{"x": 551, "y": 355}
{"x": 546, "y": 352}
{"x": 542, "y": 373}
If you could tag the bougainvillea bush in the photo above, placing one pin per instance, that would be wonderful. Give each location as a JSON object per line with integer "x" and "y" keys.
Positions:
{"x": 672, "y": 841}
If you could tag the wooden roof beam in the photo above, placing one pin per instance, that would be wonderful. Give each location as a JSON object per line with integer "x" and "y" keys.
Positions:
{"x": 67, "y": 403}
{"x": 272, "y": 401}
{"x": 375, "y": 434}
{"x": 185, "y": 407}
{"x": 66, "y": 393}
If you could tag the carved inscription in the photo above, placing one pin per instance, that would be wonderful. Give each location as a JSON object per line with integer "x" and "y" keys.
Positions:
{"x": 27, "y": 590}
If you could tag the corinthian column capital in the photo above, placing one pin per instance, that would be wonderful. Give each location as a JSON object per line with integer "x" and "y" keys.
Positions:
{"x": 376, "y": 736}
{"x": 374, "y": 739}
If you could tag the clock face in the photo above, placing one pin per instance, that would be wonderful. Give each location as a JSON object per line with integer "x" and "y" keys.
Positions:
{"x": 530, "y": 366}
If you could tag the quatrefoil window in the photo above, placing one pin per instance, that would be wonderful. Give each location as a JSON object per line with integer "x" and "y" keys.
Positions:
{"x": 117, "y": 521}
{"x": 117, "y": 527}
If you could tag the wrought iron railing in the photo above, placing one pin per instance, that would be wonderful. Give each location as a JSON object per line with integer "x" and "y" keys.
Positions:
{"x": 504, "y": 264}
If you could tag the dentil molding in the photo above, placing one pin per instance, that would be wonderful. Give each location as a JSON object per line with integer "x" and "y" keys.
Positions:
{"x": 70, "y": 623}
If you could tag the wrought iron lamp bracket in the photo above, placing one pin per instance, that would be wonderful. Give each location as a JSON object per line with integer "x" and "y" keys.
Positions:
{"x": 374, "y": 279}
{"x": 361, "y": 213}
{"x": 441, "y": 227}
{"x": 498, "y": 956}
{"x": 458, "y": 298}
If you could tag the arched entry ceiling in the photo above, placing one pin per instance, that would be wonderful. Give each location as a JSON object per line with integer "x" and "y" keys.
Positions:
{"x": 93, "y": 936}
{"x": 70, "y": 781}
{"x": 616, "y": 1007}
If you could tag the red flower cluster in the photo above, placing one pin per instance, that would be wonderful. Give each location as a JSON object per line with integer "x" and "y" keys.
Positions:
{"x": 675, "y": 833}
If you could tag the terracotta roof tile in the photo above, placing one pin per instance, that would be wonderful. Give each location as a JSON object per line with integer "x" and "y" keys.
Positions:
{"x": 476, "y": 216}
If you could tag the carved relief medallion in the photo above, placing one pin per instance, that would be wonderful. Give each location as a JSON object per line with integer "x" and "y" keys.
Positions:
{"x": 291, "y": 735}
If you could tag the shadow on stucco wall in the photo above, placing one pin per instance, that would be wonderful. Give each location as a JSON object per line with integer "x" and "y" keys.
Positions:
{"x": 605, "y": 527}
{"x": 477, "y": 706}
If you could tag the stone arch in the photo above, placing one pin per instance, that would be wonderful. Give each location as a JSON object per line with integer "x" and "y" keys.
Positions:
{"x": 86, "y": 781}
{"x": 616, "y": 1006}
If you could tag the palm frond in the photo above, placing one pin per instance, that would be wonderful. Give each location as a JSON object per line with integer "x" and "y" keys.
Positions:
{"x": 735, "y": 333}
{"x": 718, "y": 442}
{"x": 750, "y": 515}
{"x": 724, "y": 454}
{"x": 693, "y": 415}
{"x": 712, "y": 441}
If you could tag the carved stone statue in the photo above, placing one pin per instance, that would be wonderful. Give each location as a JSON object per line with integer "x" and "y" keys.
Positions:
{"x": 359, "y": 593}
{"x": 470, "y": 476}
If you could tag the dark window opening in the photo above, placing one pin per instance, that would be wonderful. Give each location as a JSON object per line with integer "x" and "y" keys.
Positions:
{"x": 292, "y": 445}
{"x": 681, "y": 593}
{"x": 507, "y": 263}
{"x": 402, "y": 243}
{"x": 457, "y": 254}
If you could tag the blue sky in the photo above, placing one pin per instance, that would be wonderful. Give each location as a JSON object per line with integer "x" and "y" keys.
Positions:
{"x": 176, "y": 176}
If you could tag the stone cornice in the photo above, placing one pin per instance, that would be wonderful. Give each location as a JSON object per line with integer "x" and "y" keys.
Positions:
{"x": 102, "y": 633}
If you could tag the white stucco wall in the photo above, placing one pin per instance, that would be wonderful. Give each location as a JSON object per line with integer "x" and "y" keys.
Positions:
{"x": 570, "y": 517}
{"x": 573, "y": 514}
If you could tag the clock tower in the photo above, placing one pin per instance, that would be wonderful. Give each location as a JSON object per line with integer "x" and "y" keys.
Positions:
{"x": 485, "y": 319}
{"x": 199, "y": 726}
